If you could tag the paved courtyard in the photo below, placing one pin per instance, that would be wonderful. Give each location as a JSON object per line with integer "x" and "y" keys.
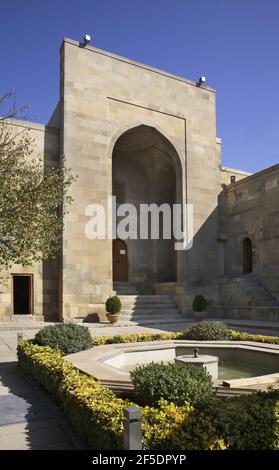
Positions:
{"x": 28, "y": 418}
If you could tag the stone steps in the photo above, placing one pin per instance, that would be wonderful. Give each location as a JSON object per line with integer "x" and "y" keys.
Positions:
{"x": 143, "y": 298}
{"x": 266, "y": 313}
{"x": 254, "y": 293}
{"x": 151, "y": 320}
{"x": 23, "y": 318}
{"x": 125, "y": 288}
{"x": 143, "y": 309}
{"x": 148, "y": 306}
{"x": 147, "y": 311}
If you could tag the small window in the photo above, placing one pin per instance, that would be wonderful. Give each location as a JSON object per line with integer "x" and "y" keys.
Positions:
{"x": 247, "y": 256}
{"x": 22, "y": 294}
{"x": 119, "y": 190}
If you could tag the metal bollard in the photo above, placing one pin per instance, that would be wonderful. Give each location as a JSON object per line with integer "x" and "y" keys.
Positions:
{"x": 132, "y": 428}
{"x": 19, "y": 337}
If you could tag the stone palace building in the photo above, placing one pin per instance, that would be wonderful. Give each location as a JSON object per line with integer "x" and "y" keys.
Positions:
{"x": 145, "y": 135}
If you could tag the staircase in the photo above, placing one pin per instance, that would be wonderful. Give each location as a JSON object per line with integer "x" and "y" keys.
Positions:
{"x": 143, "y": 309}
{"x": 246, "y": 291}
{"x": 245, "y": 298}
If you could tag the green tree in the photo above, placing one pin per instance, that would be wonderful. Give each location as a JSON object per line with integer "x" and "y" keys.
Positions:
{"x": 33, "y": 196}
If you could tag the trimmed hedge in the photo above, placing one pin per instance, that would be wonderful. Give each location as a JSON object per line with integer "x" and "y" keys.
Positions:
{"x": 134, "y": 338}
{"x": 242, "y": 336}
{"x": 67, "y": 337}
{"x": 208, "y": 331}
{"x": 245, "y": 422}
{"x": 97, "y": 414}
{"x": 232, "y": 335}
{"x": 249, "y": 422}
{"x": 178, "y": 383}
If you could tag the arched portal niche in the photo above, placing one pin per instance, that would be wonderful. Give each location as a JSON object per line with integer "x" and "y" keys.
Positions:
{"x": 146, "y": 169}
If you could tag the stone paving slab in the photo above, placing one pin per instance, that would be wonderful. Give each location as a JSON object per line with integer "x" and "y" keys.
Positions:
{"x": 15, "y": 409}
{"x": 38, "y": 438}
{"x": 28, "y": 418}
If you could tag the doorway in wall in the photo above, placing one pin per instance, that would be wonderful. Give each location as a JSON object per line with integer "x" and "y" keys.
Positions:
{"x": 146, "y": 169}
{"x": 22, "y": 294}
{"x": 120, "y": 260}
{"x": 247, "y": 256}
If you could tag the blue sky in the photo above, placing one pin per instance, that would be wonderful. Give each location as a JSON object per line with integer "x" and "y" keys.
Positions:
{"x": 234, "y": 43}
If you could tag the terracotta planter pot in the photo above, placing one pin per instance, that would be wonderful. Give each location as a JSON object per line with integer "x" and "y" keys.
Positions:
{"x": 113, "y": 318}
{"x": 199, "y": 316}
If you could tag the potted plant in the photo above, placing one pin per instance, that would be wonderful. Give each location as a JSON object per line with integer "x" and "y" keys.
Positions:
{"x": 199, "y": 307}
{"x": 113, "y": 307}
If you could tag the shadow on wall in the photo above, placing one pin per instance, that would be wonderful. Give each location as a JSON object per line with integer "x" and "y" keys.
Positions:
{"x": 200, "y": 268}
{"x": 51, "y": 269}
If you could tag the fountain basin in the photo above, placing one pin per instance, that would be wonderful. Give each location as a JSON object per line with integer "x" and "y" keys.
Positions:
{"x": 244, "y": 367}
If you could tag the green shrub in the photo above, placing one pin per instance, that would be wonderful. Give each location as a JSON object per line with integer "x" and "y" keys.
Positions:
{"x": 113, "y": 305}
{"x": 178, "y": 383}
{"x": 245, "y": 422}
{"x": 207, "y": 330}
{"x": 249, "y": 422}
{"x": 199, "y": 303}
{"x": 134, "y": 338}
{"x": 67, "y": 337}
{"x": 231, "y": 335}
{"x": 97, "y": 414}
{"x": 234, "y": 335}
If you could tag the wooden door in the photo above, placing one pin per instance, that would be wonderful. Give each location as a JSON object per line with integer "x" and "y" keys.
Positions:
{"x": 120, "y": 260}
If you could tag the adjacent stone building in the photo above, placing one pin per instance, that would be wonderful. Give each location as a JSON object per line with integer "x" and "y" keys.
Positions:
{"x": 147, "y": 136}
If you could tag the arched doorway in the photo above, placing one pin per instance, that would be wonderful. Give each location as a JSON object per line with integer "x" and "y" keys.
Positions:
{"x": 120, "y": 260}
{"x": 146, "y": 169}
{"x": 247, "y": 256}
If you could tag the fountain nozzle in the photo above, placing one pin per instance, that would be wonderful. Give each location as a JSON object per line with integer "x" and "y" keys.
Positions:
{"x": 196, "y": 352}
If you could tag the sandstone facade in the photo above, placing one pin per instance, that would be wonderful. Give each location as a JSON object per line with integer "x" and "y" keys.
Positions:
{"x": 121, "y": 124}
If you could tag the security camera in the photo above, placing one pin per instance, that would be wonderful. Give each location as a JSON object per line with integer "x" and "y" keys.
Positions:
{"x": 201, "y": 81}
{"x": 86, "y": 39}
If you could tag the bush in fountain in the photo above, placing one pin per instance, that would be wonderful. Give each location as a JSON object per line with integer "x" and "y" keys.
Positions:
{"x": 178, "y": 383}
{"x": 207, "y": 330}
{"x": 67, "y": 337}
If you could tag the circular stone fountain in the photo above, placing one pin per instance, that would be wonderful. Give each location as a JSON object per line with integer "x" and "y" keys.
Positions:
{"x": 210, "y": 363}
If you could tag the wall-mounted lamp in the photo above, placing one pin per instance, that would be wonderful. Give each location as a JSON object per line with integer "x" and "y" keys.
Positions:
{"x": 201, "y": 81}
{"x": 86, "y": 39}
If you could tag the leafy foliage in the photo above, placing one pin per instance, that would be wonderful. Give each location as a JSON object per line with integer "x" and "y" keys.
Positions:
{"x": 97, "y": 414}
{"x": 33, "y": 196}
{"x": 244, "y": 422}
{"x": 113, "y": 305}
{"x": 199, "y": 303}
{"x": 178, "y": 383}
{"x": 232, "y": 335}
{"x": 133, "y": 338}
{"x": 68, "y": 337}
{"x": 249, "y": 422}
{"x": 208, "y": 331}
{"x": 242, "y": 336}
